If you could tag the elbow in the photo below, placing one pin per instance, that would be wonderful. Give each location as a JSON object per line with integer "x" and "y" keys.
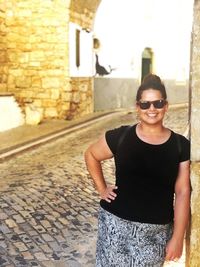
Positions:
{"x": 183, "y": 193}
{"x": 86, "y": 154}
{"x": 90, "y": 157}
{"x": 87, "y": 158}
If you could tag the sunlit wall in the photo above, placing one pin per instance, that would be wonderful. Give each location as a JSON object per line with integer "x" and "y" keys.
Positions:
{"x": 126, "y": 27}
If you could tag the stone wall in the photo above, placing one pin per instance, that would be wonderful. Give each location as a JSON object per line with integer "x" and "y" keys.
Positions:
{"x": 83, "y": 12}
{"x": 82, "y": 88}
{"x": 81, "y": 97}
{"x": 3, "y": 48}
{"x": 193, "y": 240}
{"x": 34, "y": 56}
{"x": 37, "y": 54}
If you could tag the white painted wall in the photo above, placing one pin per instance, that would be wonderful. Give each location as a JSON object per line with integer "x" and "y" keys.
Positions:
{"x": 126, "y": 27}
{"x": 10, "y": 113}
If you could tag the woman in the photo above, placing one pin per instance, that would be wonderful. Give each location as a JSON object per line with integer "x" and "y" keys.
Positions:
{"x": 140, "y": 221}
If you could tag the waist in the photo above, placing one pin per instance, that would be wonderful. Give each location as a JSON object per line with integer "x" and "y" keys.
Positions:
{"x": 141, "y": 207}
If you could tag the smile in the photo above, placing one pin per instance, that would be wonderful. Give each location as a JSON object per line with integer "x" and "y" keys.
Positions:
{"x": 152, "y": 115}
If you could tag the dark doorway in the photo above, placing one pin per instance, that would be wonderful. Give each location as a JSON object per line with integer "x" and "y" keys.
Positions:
{"x": 147, "y": 61}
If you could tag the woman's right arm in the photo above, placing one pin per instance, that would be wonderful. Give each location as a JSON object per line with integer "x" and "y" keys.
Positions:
{"x": 96, "y": 153}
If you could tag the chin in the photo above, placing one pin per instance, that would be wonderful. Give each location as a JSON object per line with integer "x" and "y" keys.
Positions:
{"x": 152, "y": 121}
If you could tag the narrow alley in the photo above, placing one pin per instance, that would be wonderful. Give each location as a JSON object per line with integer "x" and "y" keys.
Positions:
{"x": 48, "y": 206}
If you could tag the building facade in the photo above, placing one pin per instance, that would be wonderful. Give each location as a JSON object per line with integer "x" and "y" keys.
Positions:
{"x": 34, "y": 55}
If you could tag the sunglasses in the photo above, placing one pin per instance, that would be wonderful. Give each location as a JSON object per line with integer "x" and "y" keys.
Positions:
{"x": 157, "y": 104}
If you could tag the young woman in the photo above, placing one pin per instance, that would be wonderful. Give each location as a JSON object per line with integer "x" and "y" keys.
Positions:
{"x": 143, "y": 217}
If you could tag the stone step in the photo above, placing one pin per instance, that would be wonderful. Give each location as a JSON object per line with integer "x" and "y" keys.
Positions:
{"x": 11, "y": 115}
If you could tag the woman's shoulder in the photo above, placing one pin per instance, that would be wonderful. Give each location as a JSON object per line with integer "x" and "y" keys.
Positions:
{"x": 114, "y": 136}
{"x": 183, "y": 139}
{"x": 120, "y": 129}
{"x": 183, "y": 144}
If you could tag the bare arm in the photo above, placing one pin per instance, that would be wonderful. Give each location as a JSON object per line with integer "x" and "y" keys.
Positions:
{"x": 181, "y": 212}
{"x": 96, "y": 153}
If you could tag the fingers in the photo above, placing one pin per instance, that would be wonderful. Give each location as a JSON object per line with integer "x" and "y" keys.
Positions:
{"x": 172, "y": 256}
{"x": 168, "y": 256}
{"x": 175, "y": 259}
{"x": 109, "y": 195}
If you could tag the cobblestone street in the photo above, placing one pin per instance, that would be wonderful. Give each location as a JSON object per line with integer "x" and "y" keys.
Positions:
{"x": 48, "y": 206}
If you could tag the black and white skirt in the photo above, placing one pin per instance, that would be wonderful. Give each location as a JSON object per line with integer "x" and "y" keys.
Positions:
{"x": 123, "y": 243}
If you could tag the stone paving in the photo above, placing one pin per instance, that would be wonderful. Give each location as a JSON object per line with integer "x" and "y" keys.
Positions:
{"x": 48, "y": 206}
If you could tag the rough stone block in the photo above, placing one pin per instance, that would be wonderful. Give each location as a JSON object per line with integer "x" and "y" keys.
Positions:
{"x": 51, "y": 113}
{"x": 55, "y": 94}
{"x": 33, "y": 115}
{"x": 50, "y": 82}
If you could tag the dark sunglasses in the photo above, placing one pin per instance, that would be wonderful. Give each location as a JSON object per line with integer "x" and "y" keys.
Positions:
{"x": 157, "y": 104}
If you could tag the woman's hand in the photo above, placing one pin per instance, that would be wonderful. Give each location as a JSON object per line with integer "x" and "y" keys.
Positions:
{"x": 108, "y": 194}
{"x": 174, "y": 249}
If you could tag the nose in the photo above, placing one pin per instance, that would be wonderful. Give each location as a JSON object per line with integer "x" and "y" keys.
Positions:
{"x": 151, "y": 106}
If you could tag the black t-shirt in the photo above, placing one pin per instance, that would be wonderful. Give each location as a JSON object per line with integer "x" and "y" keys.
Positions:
{"x": 145, "y": 176}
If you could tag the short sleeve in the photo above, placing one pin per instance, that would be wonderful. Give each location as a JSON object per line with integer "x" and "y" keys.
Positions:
{"x": 112, "y": 138}
{"x": 185, "y": 149}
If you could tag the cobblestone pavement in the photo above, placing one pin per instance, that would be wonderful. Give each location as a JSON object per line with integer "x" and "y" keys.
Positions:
{"x": 48, "y": 206}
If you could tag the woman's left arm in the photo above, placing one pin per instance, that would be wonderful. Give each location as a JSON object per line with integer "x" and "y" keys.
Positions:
{"x": 181, "y": 212}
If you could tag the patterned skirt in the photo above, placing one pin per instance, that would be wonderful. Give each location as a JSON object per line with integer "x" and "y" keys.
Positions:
{"x": 123, "y": 243}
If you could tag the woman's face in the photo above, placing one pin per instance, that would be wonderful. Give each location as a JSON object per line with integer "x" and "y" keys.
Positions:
{"x": 151, "y": 113}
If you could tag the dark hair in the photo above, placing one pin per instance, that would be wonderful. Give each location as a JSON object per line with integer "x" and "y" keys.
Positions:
{"x": 151, "y": 81}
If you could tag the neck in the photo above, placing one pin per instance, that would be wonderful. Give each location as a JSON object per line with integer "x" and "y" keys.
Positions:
{"x": 151, "y": 129}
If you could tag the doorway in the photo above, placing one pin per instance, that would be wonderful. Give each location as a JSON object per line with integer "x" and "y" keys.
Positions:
{"x": 147, "y": 62}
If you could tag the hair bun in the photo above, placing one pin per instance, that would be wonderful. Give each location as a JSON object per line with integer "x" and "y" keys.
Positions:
{"x": 151, "y": 78}
{"x": 151, "y": 81}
